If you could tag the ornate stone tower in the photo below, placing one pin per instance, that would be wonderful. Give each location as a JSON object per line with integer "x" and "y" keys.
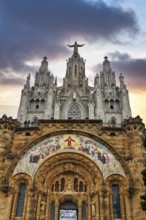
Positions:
{"x": 75, "y": 99}
{"x": 37, "y": 101}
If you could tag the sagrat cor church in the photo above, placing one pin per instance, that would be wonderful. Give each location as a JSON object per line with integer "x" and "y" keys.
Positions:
{"x": 75, "y": 99}
{"x": 75, "y": 152}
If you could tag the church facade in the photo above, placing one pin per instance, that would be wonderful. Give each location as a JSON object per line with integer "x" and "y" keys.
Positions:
{"x": 74, "y": 152}
{"x": 75, "y": 99}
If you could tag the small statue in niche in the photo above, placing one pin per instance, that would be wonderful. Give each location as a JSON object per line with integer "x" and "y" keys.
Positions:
{"x": 43, "y": 205}
{"x": 69, "y": 184}
{"x": 93, "y": 209}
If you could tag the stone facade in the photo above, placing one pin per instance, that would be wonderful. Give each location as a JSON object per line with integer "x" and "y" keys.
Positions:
{"x": 66, "y": 156}
{"x": 75, "y": 99}
{"x": 60, "y": 163}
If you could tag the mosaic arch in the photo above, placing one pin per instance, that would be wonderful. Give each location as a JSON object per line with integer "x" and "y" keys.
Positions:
{"x": 98, "y": 152}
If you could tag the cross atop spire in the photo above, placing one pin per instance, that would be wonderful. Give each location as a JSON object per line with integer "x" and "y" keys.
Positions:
{"x": 105, "y": 58}
{"x": 45, "y": 58}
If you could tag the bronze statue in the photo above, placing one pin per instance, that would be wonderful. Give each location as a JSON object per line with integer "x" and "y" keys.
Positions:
{"x": 75, "y": 45}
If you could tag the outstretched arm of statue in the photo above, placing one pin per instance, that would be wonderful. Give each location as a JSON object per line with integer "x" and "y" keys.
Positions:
{"x": 81, "y": 45}
{"x": 70, "y": 45}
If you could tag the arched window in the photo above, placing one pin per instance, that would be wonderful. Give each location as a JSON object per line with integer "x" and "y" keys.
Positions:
{"x": 111, "y": 105}
{"x": 52, "y": 187}
{"x": 76, "y": 185}
{"x": 57, "y": 186}
{"x": 81, "y": 187}
{"x": 62, "y": 184}
{"x": 34, "y": 122}
{"x": 74, "y": 112}
{"x": 116, "y": 201}
{"x": 21, "y": 198}
{"x": 52, "y": 211}
{"x": 84, "y": 211}
{"x": 37, "y": 106}
{"x": 113, "y": 122}
{"x": 106, "y": 105}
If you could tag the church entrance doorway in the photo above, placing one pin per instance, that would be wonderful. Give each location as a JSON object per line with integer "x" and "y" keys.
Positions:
{"x": 68, "y": 210}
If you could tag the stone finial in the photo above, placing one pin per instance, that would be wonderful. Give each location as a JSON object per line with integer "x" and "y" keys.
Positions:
{"x": 121, "y": 78}
{"x": 45, "y": 59}
{"x": 106, "y": 59}
{"x": 28, "y": 79}
{"x": 106, "y": 64}
{"x": 96, "y": 80}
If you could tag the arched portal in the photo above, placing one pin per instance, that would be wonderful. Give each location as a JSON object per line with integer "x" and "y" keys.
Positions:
{"x": 72, "y": 174}
{"x": 69, "y": 180}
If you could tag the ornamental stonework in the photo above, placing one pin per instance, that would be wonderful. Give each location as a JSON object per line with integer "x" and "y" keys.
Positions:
{"x": 62, "y": 170}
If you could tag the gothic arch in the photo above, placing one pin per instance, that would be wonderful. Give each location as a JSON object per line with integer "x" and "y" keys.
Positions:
{"x": 69, "y": 102}
{"x": 67, "y": 161}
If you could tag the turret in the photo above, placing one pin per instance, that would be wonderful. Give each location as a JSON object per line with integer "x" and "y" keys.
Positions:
{"x": 91, "y": 106}
{"x": 107, "y": 75}
{"x": 75, "y": 73}
{"x": 22, "y": 111}
{"x": 7, "y": 129}
{"x": 42, "y": 78}
{"x": 57, "y": 107}
{"x": 126, "y": 110}
{"x": 98, "y": 96}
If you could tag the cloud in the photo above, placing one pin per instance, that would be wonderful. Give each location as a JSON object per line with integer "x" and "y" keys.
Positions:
{"x": 32, "y": 29}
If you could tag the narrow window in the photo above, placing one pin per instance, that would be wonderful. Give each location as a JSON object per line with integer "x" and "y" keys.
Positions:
{"x": 75, "y": 70}
{"x": 62, "y": 184}
{"x": 84, "y": 211}
{"x": 81, "y": 187}
{"x": 52, "y": 211}
{"x": 21, "y": 198}
{"x": 76, "y": 185}
{"x": 37, "y": 106}
{"x": 116, "y": 201}
{"x": 113, "y": 122}
{"x": 57, "y": 186}
{"x": 111, "y": 107}
{"x": 52, "y": 187}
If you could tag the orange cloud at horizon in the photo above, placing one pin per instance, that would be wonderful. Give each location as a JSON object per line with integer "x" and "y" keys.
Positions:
{"x": 138, "y": 104}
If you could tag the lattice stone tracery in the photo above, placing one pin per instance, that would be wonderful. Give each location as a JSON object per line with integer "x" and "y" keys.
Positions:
{"x": 74, "y": 112}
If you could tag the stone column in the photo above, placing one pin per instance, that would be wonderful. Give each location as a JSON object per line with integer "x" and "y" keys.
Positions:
{"x": 38, "y": 207}
{"x": 80, "y": 210}
{"x": 97, "y": 207}
{"x": 105, "y": 207}
{"x": 56, "y": 210}
{"x": 122, "y": 207}
{"x": 48, "y": 207}
{"x": 127, "y": 207}
{"x": 100, "y": 205}
{"x": 14, "y": 205}
{"x": 89, "y": 208}
{"x": 32, "y": 204}
{"x": 6, "y": 204}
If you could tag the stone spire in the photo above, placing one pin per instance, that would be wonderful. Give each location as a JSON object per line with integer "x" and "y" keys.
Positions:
{"x": 44, "y": 65}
